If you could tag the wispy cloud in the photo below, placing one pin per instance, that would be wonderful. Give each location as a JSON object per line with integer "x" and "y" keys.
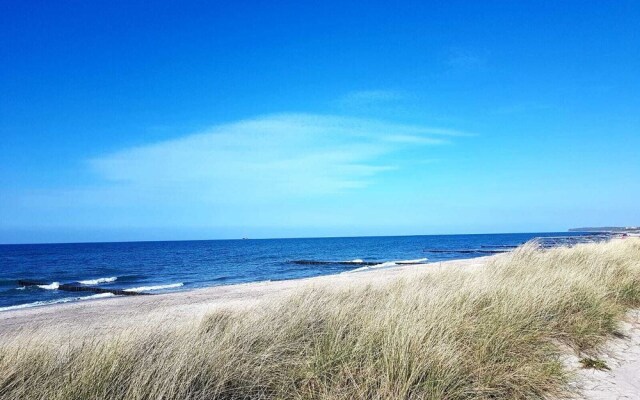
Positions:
{"x": 277, "y": 155}
{"x": 273, "y": 159}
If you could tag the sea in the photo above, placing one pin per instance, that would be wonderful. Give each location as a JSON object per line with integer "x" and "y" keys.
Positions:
{"x": 161, "y": 267}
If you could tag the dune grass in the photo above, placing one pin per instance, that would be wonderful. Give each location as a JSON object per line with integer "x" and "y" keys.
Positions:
{"x": 498, "y": 332}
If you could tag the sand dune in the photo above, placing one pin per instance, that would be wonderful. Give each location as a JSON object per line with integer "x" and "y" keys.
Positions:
{"x": 93, "y": 319}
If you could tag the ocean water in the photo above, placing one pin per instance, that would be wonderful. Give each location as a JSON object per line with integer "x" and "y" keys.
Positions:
{"x": 157, "y": 267}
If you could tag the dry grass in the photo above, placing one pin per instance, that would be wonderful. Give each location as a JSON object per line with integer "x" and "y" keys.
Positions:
{"x": 494, "y": 333}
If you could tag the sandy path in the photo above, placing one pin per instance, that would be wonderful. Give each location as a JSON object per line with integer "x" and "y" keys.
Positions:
{"x": 622, "y": 356}
{"x": 103, "y": 316}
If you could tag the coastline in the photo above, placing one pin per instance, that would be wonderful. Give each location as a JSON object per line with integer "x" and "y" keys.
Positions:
{"x": 178, "y": 316}
{"x": 104, "y": 316}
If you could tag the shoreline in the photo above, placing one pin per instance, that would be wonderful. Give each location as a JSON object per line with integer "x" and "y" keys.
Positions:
{"x": 143, "y": 279}
{"x": 107, "y": 315}
{"x": 176, "y": 316}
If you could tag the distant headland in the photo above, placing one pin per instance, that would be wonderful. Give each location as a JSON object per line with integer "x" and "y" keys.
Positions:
{"x": 616, "y": 229}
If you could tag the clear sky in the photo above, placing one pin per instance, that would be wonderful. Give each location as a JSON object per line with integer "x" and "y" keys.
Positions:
{"x": 127, "y": 120}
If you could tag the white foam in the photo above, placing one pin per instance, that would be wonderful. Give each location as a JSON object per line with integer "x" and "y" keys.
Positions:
{"x": 51, "y": 286}
{"x": 97, "y": 296}
{"x": 357, "y": 269}
{"x": 150, "y": 288}
{"x": 46, "y": 303}
{"x": 388, "y": 264}
{"x": 356, "y": 261}
{"x": 98, "y": 281}
{"x": 418, "y": 261}
{"x": 21, "y": 288}
{"x": 385, "y": 265}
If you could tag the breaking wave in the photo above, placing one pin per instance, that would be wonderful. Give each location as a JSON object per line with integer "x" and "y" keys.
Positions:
{"x": 326, "y": 262}
{"x": 51, "y": 286}
{"x": 150, "y": 288}
{"x": 389, "y": 264}
{"x": 98, "y": 281}
{"x": 46, "y": 303}
{"x": 417, "y": 261}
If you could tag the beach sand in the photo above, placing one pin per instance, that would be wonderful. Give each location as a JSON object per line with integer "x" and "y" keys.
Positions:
{"x": 622, "y": 356}
{"x": 92, "y": 319}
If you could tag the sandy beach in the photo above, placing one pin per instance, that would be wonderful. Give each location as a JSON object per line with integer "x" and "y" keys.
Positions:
{"x": 622, "y": 356}
{"x": 104, "y": 316}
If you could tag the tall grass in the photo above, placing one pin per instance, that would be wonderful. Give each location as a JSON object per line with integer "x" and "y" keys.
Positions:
{"x": 494, "y": 333}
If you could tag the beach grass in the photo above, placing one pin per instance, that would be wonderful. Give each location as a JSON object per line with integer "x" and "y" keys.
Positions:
{"x": 497, "y": 332}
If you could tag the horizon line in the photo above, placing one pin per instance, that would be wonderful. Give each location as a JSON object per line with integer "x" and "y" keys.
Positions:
{"x": 283, "y": 238}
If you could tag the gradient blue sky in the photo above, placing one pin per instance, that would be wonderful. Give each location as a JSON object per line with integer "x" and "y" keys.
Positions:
{"x": 190, "y": 120}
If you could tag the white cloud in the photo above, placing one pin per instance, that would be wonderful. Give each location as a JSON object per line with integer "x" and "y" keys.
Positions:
{"x": 272, "y": 156}
{"x": 256, "y": 171}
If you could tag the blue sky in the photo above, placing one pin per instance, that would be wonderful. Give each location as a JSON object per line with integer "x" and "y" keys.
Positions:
{"x": 189, "y": 120}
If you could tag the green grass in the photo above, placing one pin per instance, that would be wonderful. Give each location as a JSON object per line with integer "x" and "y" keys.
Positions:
{"x": 494, "y": 333}
{"x": 594, "y": 363}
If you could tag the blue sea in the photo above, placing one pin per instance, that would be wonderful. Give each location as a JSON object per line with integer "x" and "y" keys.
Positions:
{"x": 159, "y": 267}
